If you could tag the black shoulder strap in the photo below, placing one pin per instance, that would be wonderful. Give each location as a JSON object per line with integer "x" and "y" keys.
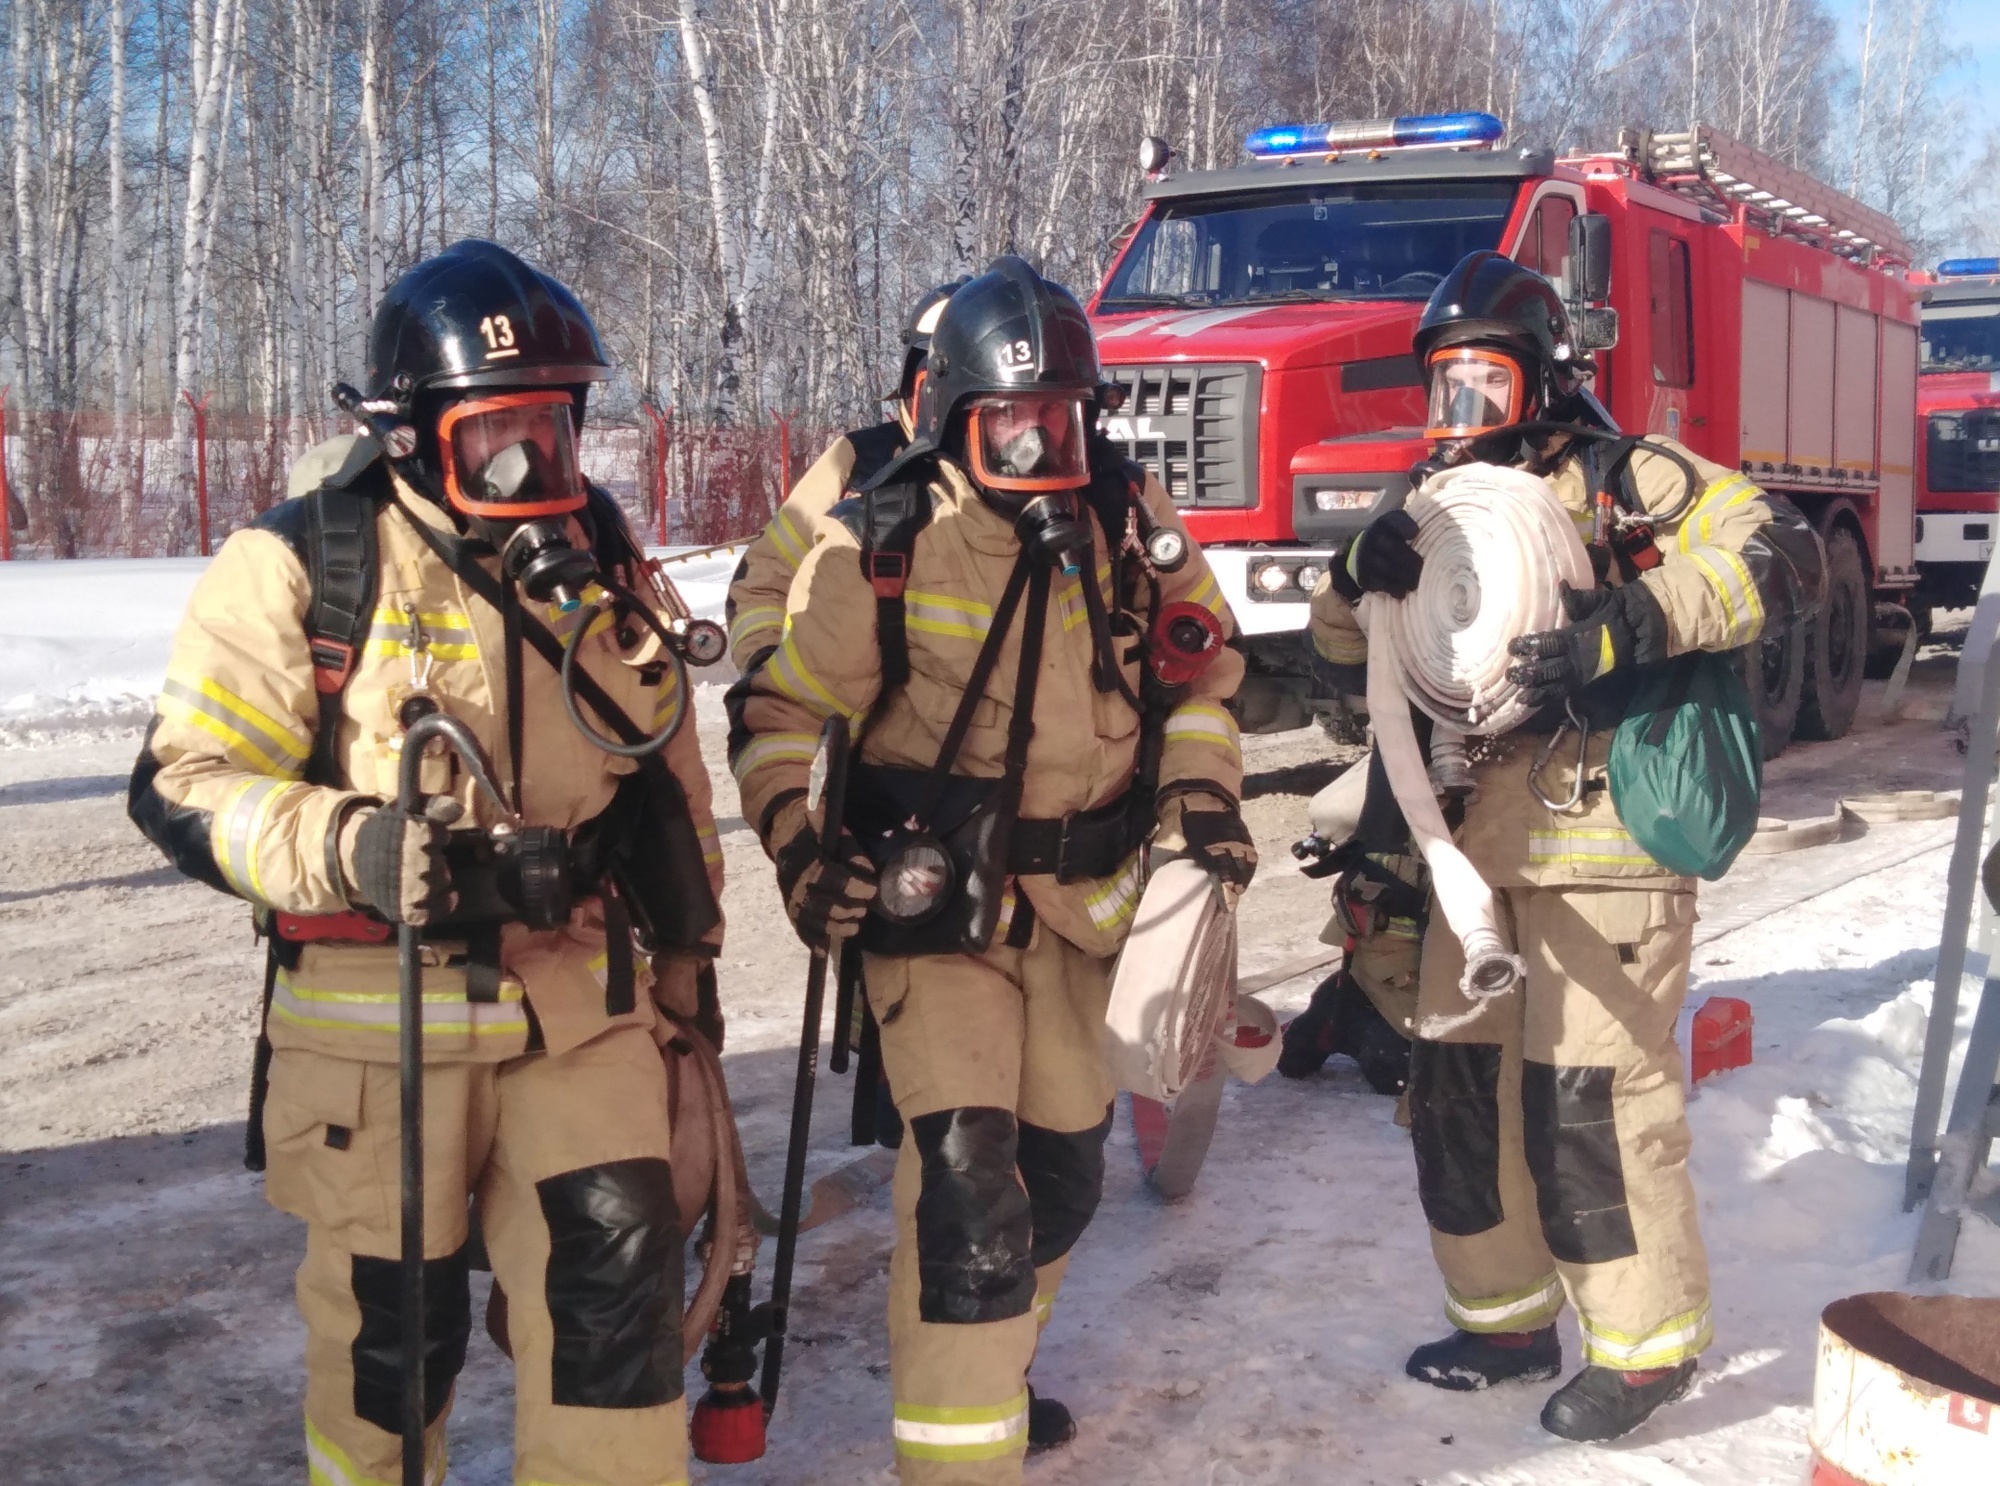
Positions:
{"x": 332, "y": 529}
{"x": 886, "y": 521}
{"x": 873, "y": 448}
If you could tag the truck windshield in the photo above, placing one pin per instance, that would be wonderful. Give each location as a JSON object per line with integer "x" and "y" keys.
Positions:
{"x": 1381, "y": 240}
{"x": 1962, "y": 337}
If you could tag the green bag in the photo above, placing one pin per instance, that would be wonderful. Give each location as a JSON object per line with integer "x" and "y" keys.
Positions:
{"x": 1687, "y": 765}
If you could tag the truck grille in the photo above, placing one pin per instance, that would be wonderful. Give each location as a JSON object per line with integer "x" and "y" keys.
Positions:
{"x": 1964, "y": 451}
{"x": 1194, "y": 427}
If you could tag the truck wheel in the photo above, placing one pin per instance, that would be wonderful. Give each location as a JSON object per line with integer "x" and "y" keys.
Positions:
{"x": 1836, "y": 647}
{"x": 1773, "y": 670}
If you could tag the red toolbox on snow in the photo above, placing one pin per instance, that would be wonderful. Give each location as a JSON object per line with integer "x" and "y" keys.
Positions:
{"x": 1718, "y": 1037}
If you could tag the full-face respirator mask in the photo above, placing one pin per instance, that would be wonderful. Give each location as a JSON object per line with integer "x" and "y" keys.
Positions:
{"x": 510, "y": 468}
{"x": 1027, "y": 455}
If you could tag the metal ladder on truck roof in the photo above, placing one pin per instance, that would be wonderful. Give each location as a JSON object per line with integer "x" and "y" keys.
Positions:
{"x": 1941, "y": 1172}
{"x": 1708, "y": 166}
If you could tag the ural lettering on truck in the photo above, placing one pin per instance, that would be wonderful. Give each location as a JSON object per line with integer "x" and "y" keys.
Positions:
{"x": 1259, "y": 319}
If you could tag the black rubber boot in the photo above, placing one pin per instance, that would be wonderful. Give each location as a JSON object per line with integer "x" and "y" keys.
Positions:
{"x": 1466, "y": 1362}
{"x": 1309, "y": 1035}
{"x": 1601, "y": 1403}
{"x": 1050, "y": 1424}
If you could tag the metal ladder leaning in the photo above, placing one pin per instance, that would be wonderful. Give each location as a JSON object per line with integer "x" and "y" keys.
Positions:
{"x": 1941, "y": 1172}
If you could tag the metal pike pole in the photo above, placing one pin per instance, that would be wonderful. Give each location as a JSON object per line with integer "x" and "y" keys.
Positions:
{"x": 410, "y": 1057}
{"x": 830, "y": 767}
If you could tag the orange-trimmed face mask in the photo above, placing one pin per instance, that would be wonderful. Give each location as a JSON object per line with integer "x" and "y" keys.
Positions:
{"x": 512, "y": 457}
{"x": 1028, "y": 441}
{"x": 1473, "y": 391}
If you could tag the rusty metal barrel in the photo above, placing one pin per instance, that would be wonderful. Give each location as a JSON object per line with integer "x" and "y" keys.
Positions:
{"x": 1907, "y": 1391}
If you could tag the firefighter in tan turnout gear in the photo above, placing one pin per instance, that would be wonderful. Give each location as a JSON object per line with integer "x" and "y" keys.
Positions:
{"x": 311, "y": 643}
{"x": 1549, "y": 1123}
{"x": 755, "y": 610}
{"x": 1013, "y": 761}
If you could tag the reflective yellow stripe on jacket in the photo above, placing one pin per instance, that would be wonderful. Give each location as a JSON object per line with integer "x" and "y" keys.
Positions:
{"x": 252, "y": 738}
{"x": 446, "y": 1013}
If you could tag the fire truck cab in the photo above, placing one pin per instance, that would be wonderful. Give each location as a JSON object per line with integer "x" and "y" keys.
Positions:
{"x": 1259, "y": 320}
{"x": 1958, "y": 453}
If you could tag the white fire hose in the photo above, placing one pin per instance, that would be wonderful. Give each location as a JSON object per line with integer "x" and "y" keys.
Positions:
{"x": 1175, "y": 989}
{"x": 1497, "y": 544}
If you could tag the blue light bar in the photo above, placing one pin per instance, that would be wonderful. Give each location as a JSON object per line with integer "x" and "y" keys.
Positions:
{"x": 1375, "y": 134}
{"x": 1964, "y": 268}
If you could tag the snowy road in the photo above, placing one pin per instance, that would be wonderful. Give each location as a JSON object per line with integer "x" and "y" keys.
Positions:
{"x": 1251, "y": 1334}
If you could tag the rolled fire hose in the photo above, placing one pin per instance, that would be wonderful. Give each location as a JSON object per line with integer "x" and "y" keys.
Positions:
{"x": 1497, "y": 546}
{"x": 1174, "y": 988}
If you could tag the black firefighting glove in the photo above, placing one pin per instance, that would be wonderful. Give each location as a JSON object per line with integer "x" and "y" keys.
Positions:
{"x": 1209, "y": 830}
{"x": 394, "y": 861}
{"x": 1609, "y": 629}
{"x": 1379, "y": 560}
{"x": 824, "y": 900}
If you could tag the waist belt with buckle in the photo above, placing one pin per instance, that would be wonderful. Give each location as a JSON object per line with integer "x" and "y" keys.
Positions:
{"x": 1090, "y": 843}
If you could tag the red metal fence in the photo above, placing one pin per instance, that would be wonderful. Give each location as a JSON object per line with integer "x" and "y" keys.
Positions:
{"x": 75, "y": 484}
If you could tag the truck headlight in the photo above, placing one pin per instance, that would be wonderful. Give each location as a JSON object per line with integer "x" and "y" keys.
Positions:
{"x": 1271, "y": 577}
{"x": 1309, "y": 576}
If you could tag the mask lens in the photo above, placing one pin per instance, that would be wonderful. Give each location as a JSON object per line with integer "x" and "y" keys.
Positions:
{"x": 512, "y": 457}
{"x": 1029, "y": 443}
{"x": 1472, "y": 392}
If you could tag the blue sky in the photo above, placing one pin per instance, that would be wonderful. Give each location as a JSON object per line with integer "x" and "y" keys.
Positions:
{"x": 1973, "y": 26}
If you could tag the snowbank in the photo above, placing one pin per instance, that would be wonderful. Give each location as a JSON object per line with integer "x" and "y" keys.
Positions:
{"x": 83, "y": 645}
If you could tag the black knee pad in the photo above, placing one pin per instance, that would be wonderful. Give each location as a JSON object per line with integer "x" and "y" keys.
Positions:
{"x": 1572, "y": 1148}
{"x": 614, "y": 1285}
{"x": 1063, "y": 1171}
{"x": 378, "y": 1346}
{"x": 974, "y": 1231}
{"x": 1455, "y": 1130}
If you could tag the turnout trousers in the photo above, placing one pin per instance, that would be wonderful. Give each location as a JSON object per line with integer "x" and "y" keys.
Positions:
{"x": 995, "y": 1063}
{"x": 1551, "y": 1131}
{"x": 565, "y": 1159}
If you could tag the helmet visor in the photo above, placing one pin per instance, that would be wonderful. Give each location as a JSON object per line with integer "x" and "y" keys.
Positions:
{"x": 1472, "y": 391}
{"x": 512, "y": 456}
{"x": 1030, "y": 441}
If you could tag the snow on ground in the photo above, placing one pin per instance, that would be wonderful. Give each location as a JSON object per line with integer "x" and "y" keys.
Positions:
{"x": 83, "y": 645}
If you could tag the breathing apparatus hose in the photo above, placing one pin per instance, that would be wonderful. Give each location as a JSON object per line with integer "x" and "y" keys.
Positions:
{"x": 670, "y": 647}
{"x": 1497, "y": 546}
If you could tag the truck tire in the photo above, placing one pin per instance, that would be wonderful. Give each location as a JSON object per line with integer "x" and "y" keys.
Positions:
{"x": 1836, "y": 648}
{"x": 1773, "y": 669}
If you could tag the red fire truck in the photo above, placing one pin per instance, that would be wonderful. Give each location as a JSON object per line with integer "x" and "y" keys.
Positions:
{"x": 1259, "y": 319}
{"x": 1958, "y": 454}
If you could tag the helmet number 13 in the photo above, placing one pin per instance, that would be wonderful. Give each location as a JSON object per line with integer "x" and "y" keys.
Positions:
{"x": 499, "y": 333}
{"x": 1017, "y": 353}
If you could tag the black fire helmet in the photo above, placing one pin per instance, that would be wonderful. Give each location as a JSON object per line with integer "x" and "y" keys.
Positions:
{"x": 1491, "y": 300}
{"x": 917, "y": 331}
{"x": 477, "y": 317}
{"x": 1008, "y": 330}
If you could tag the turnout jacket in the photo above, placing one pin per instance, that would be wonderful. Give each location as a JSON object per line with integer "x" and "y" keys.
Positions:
{"x": 220, "y": 784}
{"x": 1085, "y": 746}
{"x": 755, "y": 609}
{"x": 1730, "y": 565}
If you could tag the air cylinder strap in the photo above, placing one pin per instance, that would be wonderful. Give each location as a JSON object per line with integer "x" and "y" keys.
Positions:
{"x": 1497, "y": 545}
